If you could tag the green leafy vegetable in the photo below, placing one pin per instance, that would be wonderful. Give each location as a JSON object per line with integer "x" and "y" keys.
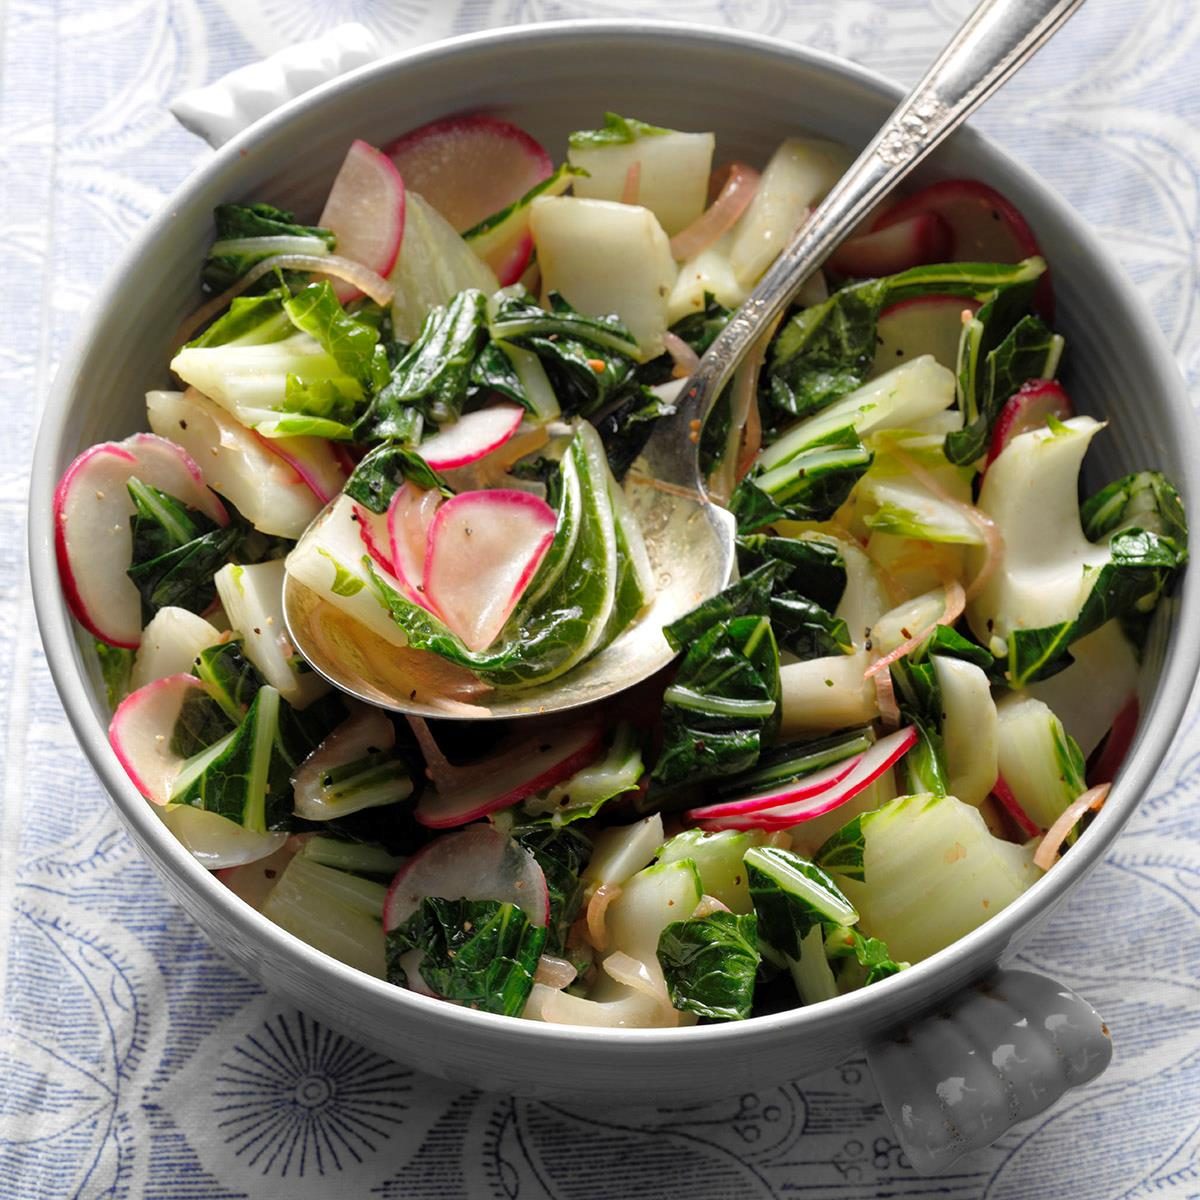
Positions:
{"x": 562, "y": 854}
{"x": 590, "y": 788}
{"x": 791, "y": 895}
{"x": 1144, "y": 500}
{"x": 248, "y": 233}
{"x": 813, "y": 566}
{"x": 116, "y": 663}
{"x": 617, "y": 131}
{"x": 176, "y": 551}
{"x": 231, "y": 678}
{"x": 811, "y": 486}
{"x": 433, "y": 376}
{"x": 723, "y": 703}
{"x": 1011, "y": 355}
{"x": 376, "y": 479}
{"x": 826, "y": 351}
{"x": 480, "y": 953}
{"x": 842, "y": 852}
{"x": 710, "y": 964}
{"x": 869, "y": 954}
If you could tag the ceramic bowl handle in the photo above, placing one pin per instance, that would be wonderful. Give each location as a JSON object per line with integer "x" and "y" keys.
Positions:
{"x": 995, "y": 1054}
{"x": 224, "y": 108}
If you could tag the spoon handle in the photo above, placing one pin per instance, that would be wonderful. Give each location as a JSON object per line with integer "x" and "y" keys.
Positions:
{"x": 995, "y": 40}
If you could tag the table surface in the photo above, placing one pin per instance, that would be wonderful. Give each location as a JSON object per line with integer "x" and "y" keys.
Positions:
{"x": 135, "y": 1063}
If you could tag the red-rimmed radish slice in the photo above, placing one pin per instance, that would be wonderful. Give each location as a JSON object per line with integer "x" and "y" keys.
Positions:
{"x": 883, "y": 754}
{"x": 264, "y": 488}
{"x": 922, "y": 238}
{"x": 409, "y": 518}
{"x": 140, "y": 733}
{"x": 524, "y": 769}
{"x": 1108, "y": 759}
{"x": 479, "y": 863}
{"x": 469, "y": 167}
{"x": 1023, "y": 821}
{"x": 922, "y": 325}
{"x": 983, "y": 226}
{"x": 797, "y": 789}
{"x": 373, "y": 529}
{"x": 484, "y": 548}
{"x": 1029, "y": 408}
{"x": 365, "y": 209}
{"x": 322, "y": 470}
{"x": 472, "y": 436}
{"x": 92, "y": 536}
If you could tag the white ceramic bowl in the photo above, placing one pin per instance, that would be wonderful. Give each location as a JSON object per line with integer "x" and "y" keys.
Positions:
{"x": 752, "y": 91}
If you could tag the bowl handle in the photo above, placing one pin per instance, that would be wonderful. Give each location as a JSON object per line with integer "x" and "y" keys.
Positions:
{"x": 998, "y": 1052}
{"x": 224, "y": 108}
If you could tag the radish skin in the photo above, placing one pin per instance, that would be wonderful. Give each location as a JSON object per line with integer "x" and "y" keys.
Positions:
{"x": 483, "y": 550}
{"x": 473, "y": 436}
{"x": 365, "y": 209}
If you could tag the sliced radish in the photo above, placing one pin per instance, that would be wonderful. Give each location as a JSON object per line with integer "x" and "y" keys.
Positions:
{"x": 484, "y": 548}
{"x": 1004, "y": 794}
{"x": 469, "y": 167}
{"x": 1030, "y": 408}
{"x": 797, "y": 789}
{"x": 409, "y": 518}
{"x": 883, "y": 754}
{"x": 1107, "y": 761}
{"x": 472, "y": 436}
{"x": 922, "y": 238}
{"x": 262, "y": 486}
{"x": 923, "y": 325}
{"x": 365, "y": 209}
{"x": 92, "y": 535}
{"x": 320, "y": 466}
{"x": 983, "y": 225}
{"x": 524, "y": 769}
{"x": 373, "y": 529}
{"x": 479, "y": 863}
{"x": 140, "y": 733}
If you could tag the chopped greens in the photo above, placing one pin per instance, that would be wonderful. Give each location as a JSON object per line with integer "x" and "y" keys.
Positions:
{"x": 710, "y": 964}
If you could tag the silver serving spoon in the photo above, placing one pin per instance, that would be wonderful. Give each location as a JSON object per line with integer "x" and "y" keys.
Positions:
{"x": 690, "y": 540}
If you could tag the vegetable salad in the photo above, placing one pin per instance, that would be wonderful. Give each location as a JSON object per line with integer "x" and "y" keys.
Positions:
{"x": 424, "y": 405}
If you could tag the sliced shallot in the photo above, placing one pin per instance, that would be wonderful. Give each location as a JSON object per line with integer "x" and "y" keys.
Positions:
{"x": 738, "y": 190}
{"x": 955, "y": 603}
{"x": 1047, "y": 851}
{"x": 685, "y": 358}
{"x": 554, "y": 972}
{"x": 597, "y": 907}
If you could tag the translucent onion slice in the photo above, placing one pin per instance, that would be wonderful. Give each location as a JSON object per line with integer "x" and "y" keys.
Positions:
{"x": 1047, "y": 852}
{"x": 721, "y": 216}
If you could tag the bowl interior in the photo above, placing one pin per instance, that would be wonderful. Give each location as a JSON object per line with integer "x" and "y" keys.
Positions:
{"x": 551, "y": 80}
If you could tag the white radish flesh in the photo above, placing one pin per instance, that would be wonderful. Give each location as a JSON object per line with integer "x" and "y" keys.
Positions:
{"x": 919, "y": 239}
{"x": 252, "y": 597}
{"x": 472, "y": 436}
{"x": 532, "y": 765}
{"x": 93, "y": 537}
{"x": 923, "y": 325}
{"x": 170, "y": 644}
{"x": 329, "y": 560}
{"x": 140, "y": 733}
{"x": 469, "y": 167}
{"x": 409, "y": 518}
{"x": 237, "y": 464}
{"x": 479, "y": 863}
{"x": 365, "y": 209}
{"x": 484, "y": 548}
{"x": 607, "y": 258}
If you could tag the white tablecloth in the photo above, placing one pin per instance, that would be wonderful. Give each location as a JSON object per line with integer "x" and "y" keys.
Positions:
{"x": 135, "y": 1063}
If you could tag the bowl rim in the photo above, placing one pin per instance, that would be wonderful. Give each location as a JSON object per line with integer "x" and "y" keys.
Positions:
{"x": 909, "y": 991}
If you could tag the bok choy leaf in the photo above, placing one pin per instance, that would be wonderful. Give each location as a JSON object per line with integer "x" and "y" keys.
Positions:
{"x": 710, "y": 964}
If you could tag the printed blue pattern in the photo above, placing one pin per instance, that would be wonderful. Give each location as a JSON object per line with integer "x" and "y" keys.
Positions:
{"x": 136, "y": 1063}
